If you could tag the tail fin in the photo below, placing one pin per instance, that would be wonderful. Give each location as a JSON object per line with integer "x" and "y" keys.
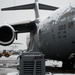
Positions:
{"x": 36, "y": 6}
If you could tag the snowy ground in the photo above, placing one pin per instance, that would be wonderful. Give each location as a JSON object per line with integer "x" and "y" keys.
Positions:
{"x": 11, "y": 71}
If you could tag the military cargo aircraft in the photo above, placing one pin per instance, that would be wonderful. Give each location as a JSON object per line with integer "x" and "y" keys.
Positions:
{"x": 55, "y": 36}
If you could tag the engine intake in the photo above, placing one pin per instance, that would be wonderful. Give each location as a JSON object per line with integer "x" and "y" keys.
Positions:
{"x": 7, "y": 35}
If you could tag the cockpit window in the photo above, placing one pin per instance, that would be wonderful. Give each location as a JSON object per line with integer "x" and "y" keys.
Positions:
{"x": 68, "y": 13}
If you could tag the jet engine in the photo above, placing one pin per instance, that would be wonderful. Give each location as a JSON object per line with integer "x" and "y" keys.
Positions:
{"x": 7, "y": 35}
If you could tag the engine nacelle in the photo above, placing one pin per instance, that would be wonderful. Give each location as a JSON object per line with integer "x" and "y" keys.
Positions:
{"x": 7, "y": 35}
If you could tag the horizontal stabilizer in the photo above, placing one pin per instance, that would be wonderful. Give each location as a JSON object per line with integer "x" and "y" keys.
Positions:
{"x": 30, "y": 6}
{"x": 21, "y": 7}
{"x": 47, "y": 7}
{"x": 22, "y": 27}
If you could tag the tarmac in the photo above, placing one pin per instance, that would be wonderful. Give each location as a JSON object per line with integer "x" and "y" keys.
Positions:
{"x": 8, "y": 66}
{"x": 5, "y": 71}
{"x": 5, "y": 63}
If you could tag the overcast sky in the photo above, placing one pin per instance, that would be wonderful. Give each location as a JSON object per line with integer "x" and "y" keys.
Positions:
{"x": 17, "y": 16}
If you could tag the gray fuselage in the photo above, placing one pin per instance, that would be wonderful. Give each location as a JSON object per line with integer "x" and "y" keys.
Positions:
{"x": 57, "y": 35}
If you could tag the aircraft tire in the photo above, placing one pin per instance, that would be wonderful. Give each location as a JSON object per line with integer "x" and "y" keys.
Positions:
{"x": 68, "y": 65}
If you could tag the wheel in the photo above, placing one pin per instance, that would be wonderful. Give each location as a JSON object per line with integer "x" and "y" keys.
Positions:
{"x": 68, "y": 65}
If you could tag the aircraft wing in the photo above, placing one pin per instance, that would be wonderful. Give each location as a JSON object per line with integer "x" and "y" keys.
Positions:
{"x": 21, "y": 27}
